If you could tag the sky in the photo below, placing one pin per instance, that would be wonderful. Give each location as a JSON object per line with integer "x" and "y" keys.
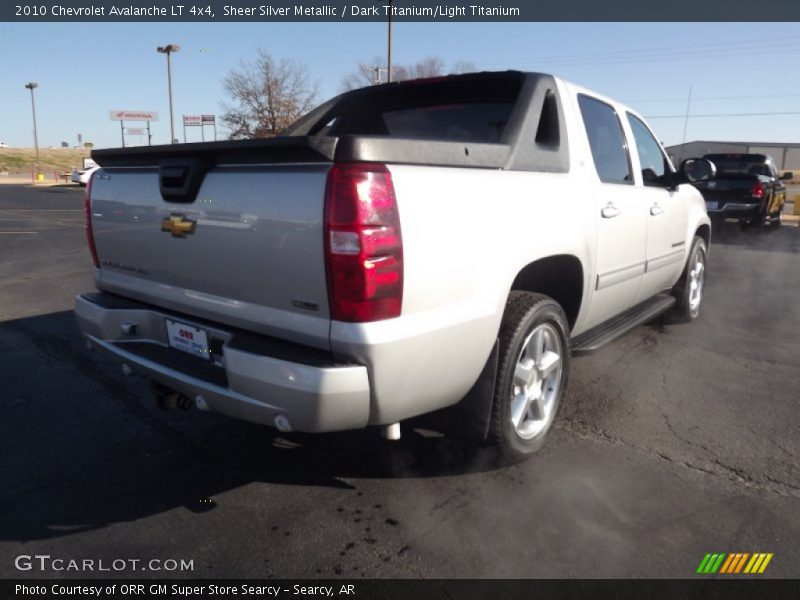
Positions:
{"x": 84, "y": 70}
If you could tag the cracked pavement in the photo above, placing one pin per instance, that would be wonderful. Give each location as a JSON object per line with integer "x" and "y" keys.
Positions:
{"x": 674, "y": 441}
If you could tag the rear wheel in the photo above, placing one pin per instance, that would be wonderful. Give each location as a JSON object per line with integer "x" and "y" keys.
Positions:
{"x": 688, "y": 291}
{"x": 532, "y": 374}
{"x": 777, "y": 220}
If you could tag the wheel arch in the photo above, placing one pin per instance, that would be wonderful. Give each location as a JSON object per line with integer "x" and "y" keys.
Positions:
{"x": 560, "y": 277}
{"x": 704, "y": 231}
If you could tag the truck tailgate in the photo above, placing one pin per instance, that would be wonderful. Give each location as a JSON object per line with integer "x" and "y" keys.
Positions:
{"x": 248, "y": 251}
{"x": 728, "y": 188}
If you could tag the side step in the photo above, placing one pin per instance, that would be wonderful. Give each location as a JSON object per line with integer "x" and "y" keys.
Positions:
{"x": 605, "y": 333}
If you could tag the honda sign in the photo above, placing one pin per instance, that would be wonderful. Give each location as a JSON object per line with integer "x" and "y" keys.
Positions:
{"x": 133, "y": 115}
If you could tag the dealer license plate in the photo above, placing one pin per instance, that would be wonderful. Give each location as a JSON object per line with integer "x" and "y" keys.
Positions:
{"x": 187, "y": 338}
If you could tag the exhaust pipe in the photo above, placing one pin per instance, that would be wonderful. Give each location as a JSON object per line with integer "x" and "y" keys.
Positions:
{"x": 391, "y": 432}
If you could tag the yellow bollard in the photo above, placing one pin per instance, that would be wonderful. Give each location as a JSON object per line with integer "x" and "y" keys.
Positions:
{"x": 40, "y": 177}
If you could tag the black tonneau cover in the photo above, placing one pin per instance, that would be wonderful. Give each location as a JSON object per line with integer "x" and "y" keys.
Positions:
{"x": 279, "y": 149}
{"x": 533, "y": 138}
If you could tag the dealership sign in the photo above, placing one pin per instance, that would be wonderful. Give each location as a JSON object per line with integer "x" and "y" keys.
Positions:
{"x": 133, "y": 115}
{"x": 200, "y": 121}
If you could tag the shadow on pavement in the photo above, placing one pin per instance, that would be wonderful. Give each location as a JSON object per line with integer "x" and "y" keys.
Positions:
{"x": 785, "y": 238}
{"x": 85, "y": 447}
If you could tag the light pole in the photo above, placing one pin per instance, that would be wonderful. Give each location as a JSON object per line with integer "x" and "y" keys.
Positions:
{"x": 168, "y": 50}
{"x": 32, "y": 86}
{"x": 378, "y": 75}
{"x": 389, "y": 50}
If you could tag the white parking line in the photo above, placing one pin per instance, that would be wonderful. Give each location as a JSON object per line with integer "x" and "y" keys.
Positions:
{"x": 18, "y": 232}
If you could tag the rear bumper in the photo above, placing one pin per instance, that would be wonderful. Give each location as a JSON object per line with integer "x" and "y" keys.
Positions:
{"x": 734, "y": 209}
{"x": 253, "y": 378}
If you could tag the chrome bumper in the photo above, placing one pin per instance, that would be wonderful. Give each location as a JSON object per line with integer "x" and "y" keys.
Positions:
{"x": 251, "y": 378}
{"x": 734, "y": 209}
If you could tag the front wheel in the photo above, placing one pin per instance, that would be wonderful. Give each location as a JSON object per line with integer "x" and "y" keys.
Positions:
{"x": 689, "y": 290}
{"x": 532, "y": 374}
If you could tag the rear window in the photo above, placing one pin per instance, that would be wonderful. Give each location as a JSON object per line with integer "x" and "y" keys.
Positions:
{"x": 739, "y": 164}
{"x": 467, "y": 108}
{"x": 474, "y": 122}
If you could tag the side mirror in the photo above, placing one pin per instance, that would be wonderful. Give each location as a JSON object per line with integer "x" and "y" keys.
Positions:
{"x": 787, "y": 176}
{"x": 698, "y": 169}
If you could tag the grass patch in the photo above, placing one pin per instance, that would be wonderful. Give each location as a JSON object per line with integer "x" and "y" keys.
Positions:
{"x": 62, "y": 160}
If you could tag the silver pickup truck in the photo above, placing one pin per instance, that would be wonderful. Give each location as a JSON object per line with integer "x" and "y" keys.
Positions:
{"x": 443, "y": 245}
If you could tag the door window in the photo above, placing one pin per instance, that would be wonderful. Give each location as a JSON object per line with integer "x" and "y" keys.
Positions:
{"x": 653, "y": 163}
{"x": 606, "y": 140}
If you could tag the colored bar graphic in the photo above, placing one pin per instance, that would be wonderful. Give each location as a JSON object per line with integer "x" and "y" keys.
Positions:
{"x": 717, "y": 563}
{"x": 734, "y": 563}
{"x": 703, "y": 563}
{"x": 727, "y": 563}
{"x": 710, "y": 563}
{"x": 753, "y": 562}
{"x": 739, "y": 566}
{"x": 764, "y": 564}
{"x": 730, "y": 564}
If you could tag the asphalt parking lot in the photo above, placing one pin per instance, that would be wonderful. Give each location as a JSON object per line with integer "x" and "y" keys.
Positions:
{"x": 675, "y": 441}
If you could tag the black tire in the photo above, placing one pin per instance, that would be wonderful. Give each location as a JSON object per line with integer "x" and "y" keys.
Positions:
{"x": 685, "y": 310}
{"x": 525, "y": 314}
{"x": 776, "y": 221}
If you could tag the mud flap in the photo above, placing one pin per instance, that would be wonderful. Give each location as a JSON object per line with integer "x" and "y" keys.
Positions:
{"x": 470, "y": 418}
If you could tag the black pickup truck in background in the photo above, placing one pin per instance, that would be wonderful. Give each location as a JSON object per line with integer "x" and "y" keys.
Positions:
{"x": 746, "y": 187}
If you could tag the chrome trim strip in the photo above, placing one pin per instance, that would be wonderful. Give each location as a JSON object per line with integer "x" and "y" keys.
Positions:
{"x": 616, "y": 276}
{"x": 662, "y": 261}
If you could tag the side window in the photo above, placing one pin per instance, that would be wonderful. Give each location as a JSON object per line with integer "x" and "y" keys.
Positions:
{"x": 654, "y": 164}
{"x": 606, "y": 141}
{"x": 772, "y": 171}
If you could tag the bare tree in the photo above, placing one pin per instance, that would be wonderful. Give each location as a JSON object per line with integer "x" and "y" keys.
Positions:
{"x": 463, "y": 66}
{"x": 427, "y": 67}
{"x": 266, "y": 96}
{"x": 369, "y": 73}
{"x": 365, "y": 74}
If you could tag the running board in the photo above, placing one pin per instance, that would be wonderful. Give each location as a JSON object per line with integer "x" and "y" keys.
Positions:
{"x": 605, "y": 333}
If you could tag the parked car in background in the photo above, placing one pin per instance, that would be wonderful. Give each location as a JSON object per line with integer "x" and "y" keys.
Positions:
{"x": 746, "y": 187}
{"x": 3, "y": 145}
{"x": 82, "y": 176}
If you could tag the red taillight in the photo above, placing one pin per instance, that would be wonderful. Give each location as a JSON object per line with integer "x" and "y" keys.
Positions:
{"x": 87, "y": 210}
{"x": 758, "y": 190}
{"x": 363, "y": 244}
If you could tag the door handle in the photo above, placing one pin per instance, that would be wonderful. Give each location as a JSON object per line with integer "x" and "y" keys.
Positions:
{"x": 610, "y": 211}
{"x": 656, "y": 210}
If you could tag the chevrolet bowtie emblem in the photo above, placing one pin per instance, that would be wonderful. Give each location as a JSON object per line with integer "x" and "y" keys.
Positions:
{"x": 178, "y": 225}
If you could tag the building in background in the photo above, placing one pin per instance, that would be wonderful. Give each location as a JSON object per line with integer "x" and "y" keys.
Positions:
{"x": 786, "y": 156}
